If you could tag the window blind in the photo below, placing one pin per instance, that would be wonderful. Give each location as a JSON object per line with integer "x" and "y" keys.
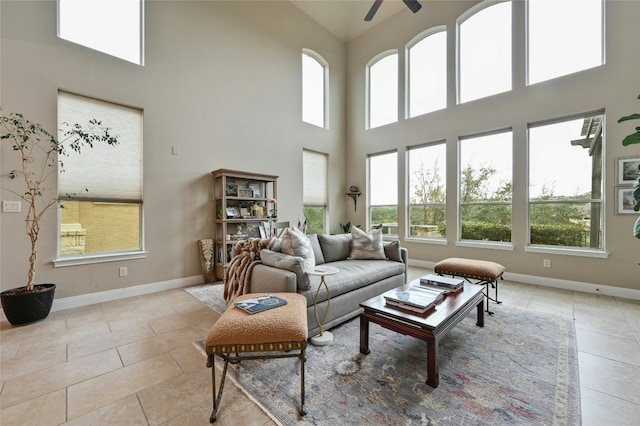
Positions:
{"x": 314, "y": 176}
{"x": 104, "y": 172}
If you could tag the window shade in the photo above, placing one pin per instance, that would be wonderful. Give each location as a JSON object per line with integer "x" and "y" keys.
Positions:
{"x": 104, "y": 172}
{"x": 314, "y": 176}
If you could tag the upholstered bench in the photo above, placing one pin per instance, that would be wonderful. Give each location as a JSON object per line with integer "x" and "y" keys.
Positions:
{"x": 275, "y": 333}
{"x": 483, "y": 271}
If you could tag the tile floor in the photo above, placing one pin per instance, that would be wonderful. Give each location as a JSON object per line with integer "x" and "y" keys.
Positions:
{"x": 132, "y": 361}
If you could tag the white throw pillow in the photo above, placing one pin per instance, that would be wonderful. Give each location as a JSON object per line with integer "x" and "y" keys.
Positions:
{"x": 295, "y": 243}
{"x": 366, "y": 245}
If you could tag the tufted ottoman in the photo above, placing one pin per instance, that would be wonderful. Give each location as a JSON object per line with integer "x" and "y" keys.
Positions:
{"x": 276, "y": 333}
{"x": 483, "y": 271}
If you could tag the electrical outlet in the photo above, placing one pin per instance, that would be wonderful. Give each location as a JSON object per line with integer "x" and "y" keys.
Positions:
{"x": 11, "y": 206}
{"x": 123, "y": 271}
{"x": 546, "y": 263}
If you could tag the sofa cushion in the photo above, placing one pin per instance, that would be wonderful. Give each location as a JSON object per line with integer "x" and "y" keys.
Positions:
{"x": 335, "y": 247}
{"x": 392, "y": 250}
{"x": 352, "y": 275}
{"x": 366, "y": 245}
{"x": 294, "y": 264}
{"x": 317, "y": 250}
{"x": 295, "y": 243}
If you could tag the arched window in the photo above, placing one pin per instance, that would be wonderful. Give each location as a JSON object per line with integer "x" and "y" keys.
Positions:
{"x": 314, "y": 88}
{"x": 382, "y": 89}
{"x": 484, "y": 51}
{"x": 563, "y": 37}
{"x": 427, "y": 72}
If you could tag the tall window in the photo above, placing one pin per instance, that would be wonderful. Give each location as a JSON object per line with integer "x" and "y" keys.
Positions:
{"x": 314, "y": 177}
{"x": 565, "y": 183}
{"x": 382, "y": 83}
{"x": 383, "y": 192}
{"x": 486, "y": 187}
{"x": 484, "y": 62}
{"x": 564, "y": 37}
{"x": 112, "y": 27}
{"x": 102, "y": 188}
{"x": 427, "y": 73}
{"x": 427, "y": 190}
{"x": 314, "y": 76}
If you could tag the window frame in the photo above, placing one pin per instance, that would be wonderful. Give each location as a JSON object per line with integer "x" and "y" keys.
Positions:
{"x": 440, "y": 239}
{"x": 469, "y": 13}
{"x": 368, "y": 95}
{"x": 324, "y": 204}
{"x": 528, "y": 59}
{"x": 106, "y": 256}
{"x": 569, "y": 250}
{"x": 325, "y": 89}
{"x": 141, "y": 38}
{"x": 505, "y": 245}
{"x": 370, "y": 192}
{"x": 408, "y": 77}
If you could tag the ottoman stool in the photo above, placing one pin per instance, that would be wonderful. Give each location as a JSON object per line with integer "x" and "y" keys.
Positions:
{"x": 483, "y": 271}
{"x": 276, "y": 333}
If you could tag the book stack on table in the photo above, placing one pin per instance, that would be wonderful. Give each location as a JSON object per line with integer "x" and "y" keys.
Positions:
{"x": 415, "y": 298}
{"x": 449, "y": 285}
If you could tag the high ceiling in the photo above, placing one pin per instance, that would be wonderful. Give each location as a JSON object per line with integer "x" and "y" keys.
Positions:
{"x": 345, "y": 18}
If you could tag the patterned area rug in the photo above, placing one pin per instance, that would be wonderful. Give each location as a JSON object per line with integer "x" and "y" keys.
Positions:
{"x": 520, "y": 369}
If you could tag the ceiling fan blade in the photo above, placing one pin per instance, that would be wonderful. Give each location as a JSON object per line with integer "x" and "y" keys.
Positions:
{"x": 373, "y": 10}
{"x": 413, "y": 5}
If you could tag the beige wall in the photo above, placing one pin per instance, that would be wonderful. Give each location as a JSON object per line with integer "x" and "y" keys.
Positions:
{"x": 221, "y": 82}
{"x": 612, "y": 87}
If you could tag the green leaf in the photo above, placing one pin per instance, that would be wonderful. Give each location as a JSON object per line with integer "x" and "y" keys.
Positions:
{"x": 635, "y": 116}
{"x": 636, "y": 228}
{"x": 631, "y": 139}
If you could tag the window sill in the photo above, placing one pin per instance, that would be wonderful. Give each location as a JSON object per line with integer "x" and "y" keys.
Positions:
{"x": 485, "y": 245}
{"x": 97, "y": 258}
{"x": 440, "y": 241}
{"x": 567, "y": 251}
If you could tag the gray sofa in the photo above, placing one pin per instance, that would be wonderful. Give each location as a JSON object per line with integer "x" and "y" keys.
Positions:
{"x": 356, "y": 281}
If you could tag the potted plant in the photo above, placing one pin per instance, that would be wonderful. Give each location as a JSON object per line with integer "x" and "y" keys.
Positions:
{"x": 40, "y": 155}
{"x": 631, "y": 139}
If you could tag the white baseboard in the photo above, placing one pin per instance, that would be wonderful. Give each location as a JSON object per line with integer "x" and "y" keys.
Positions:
{"x": 625, "y": 293}
{"x": 122, "y": 293}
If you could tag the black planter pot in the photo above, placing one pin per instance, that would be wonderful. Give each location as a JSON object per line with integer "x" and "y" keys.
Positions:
{"x": 25, "y": 307}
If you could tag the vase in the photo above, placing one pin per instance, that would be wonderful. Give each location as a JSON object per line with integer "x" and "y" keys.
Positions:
{"x": 22, "y": 307}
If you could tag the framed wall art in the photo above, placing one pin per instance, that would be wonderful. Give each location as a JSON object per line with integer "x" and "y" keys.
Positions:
{"x": 627, "y": 170}
{"x": 625, "y": 201}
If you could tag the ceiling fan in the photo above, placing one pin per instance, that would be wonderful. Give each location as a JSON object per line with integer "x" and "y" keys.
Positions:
{"x": 411, "y": 4}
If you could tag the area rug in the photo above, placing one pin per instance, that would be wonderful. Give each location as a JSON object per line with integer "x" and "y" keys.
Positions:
{"x": 520, "y": 369}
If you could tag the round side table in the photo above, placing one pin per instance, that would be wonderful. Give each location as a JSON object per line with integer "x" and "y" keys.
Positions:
{"x": 325, "y": 337}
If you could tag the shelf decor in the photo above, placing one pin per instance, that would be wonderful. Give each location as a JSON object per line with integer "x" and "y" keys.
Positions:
{"x": 248, "y": 201}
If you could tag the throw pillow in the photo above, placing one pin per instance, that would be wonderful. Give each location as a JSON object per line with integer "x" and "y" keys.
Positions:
{"x": 294, "y": 264}
{"x": 317, "y": 251}
{"x": 366, "y": 245}
{"x": 295, "y": 243}
{"x": 335, "y": 247}
{"x": 392, "y": 250}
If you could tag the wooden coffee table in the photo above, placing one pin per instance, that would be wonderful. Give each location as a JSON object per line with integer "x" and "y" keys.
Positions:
{"x": 430, "y": 327}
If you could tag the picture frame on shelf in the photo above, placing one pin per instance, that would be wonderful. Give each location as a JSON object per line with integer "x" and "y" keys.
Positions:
{"x": 255, "y": 187}
{"x": 232, "y": 189}
{"x": 627, "y": 170}
{"x": 245, "y": 192}
{"x": 232, "y": 213}
{"x": 625, "y": 201}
